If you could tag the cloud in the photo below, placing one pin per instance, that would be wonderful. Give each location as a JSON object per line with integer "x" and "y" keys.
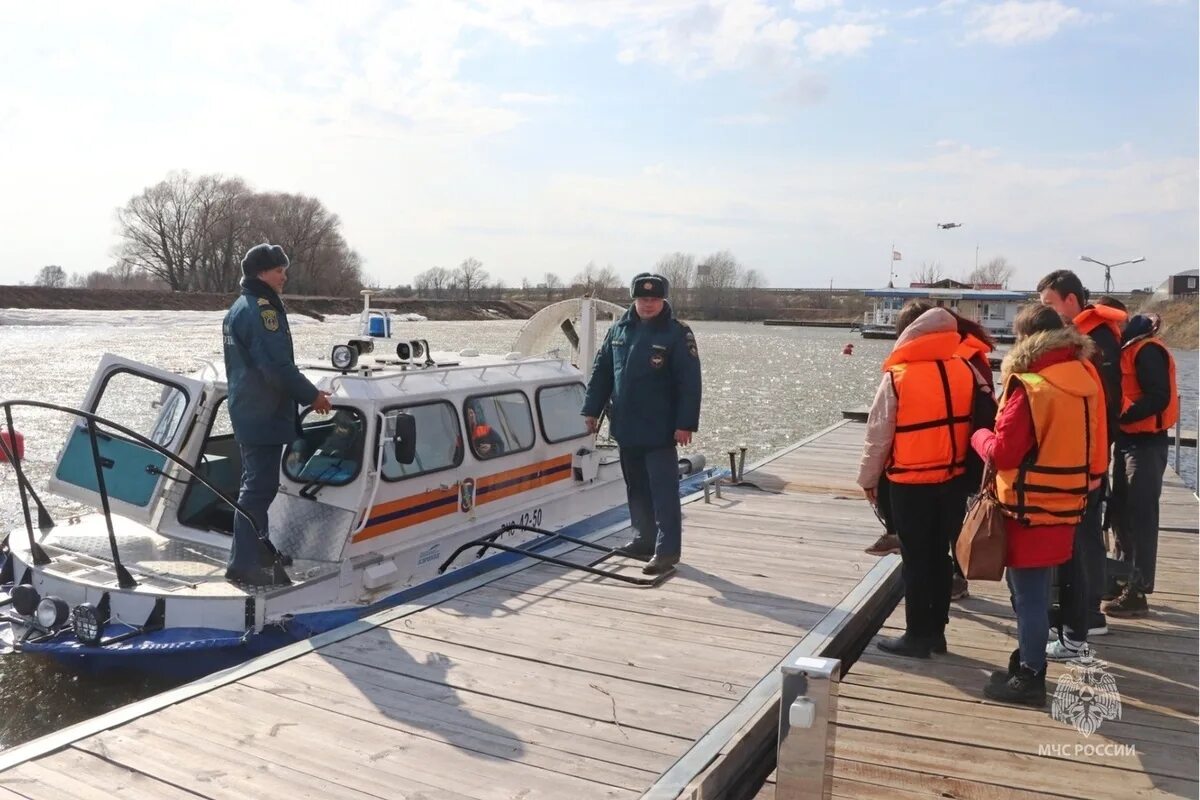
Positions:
{"x": 841, "y": 40}
{"x": 743, "y": 119}
{"x": 530, "y": 99}
{"x": 1013, "y": 22}
{"x": 809, "y": 6}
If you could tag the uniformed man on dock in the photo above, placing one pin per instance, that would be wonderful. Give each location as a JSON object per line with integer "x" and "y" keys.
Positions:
{"x": 649, "y": 367}
{"x": 265, "y": 388}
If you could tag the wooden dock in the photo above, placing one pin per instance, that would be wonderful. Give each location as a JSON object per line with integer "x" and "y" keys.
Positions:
{"x": 532, "y": 681}
{"x": 921, "y": 729}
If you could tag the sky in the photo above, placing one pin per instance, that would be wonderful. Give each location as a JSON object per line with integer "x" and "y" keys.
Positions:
{"x": 810, "y": 138}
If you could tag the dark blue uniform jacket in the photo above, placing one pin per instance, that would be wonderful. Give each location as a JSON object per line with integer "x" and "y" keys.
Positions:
{"x": 651, "y": 371}
{"x": 264, "y": 384}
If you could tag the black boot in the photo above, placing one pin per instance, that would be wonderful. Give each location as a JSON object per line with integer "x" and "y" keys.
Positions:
{"x": 1024, "y": 688}
{"x": 906, "y": 645}
{"x": 1014, "y": 663}
{"x": 937, "y": 643}
{"x": 660, "y": 564}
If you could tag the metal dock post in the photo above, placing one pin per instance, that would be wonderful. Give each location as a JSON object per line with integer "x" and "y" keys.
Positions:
{"x": 807, "y": 711}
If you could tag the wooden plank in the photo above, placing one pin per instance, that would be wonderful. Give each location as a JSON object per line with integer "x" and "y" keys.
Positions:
{"x": 74, "y": 774}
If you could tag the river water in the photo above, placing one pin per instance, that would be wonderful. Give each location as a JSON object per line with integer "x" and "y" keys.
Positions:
{"x": 764, "y": 387}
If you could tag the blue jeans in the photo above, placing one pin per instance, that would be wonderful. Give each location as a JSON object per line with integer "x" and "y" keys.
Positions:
{"x": 1031, "y": 600}
{"x": 260, "y": 484}
{"x": 652, "y": 486}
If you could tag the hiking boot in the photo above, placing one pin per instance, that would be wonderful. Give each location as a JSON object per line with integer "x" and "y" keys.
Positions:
{"x": 1130, "y": 603}
{"x": 1002, "y": 675}
{"x": 636, "y": 549}
{"x": 660, "y": 564}
{"x": 885, "y": 545}
{"x": 906, "y": 645}
{"x": 958, "y": 588}
{"x": 1113, "y": 589}
{"x": 937, "y": 644}
{"x": 1065, "y": 649}
{"x": 1024, "y": 688}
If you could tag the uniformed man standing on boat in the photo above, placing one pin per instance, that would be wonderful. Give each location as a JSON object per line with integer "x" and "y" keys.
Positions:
{"x": 265, "y": 388}
{"x": 649, "y": 367}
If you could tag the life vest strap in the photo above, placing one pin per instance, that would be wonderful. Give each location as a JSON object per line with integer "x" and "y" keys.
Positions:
{"x": 1056, "y": 470}
{"x": 933, "y": 423}
{"x": 954, "y": 465}
{"x": 1035, "y": 487}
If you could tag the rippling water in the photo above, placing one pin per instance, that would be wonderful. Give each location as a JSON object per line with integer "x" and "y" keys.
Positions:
{"x": 764, "y": 387}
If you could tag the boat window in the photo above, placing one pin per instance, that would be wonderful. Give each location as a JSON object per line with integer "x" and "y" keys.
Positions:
{"x": 329, "y": 450}
{"x": 439, "y": 440}
{"x": 144, "y": 405}
{"x": 498, "y": 424}
{"x": 559, "y": 409}
{"x": 220, "y": 464}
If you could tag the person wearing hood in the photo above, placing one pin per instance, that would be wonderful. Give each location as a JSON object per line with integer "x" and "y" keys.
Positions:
{"x": 917, "y": 435}
{"x": 1150, "y": 407}
{"x": 265, "y": 388}
{"x": 1048, "y": 429}
{"x": 649, "y": 367}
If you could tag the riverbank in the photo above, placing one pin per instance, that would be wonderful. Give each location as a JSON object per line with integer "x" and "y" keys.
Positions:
{"x": 1180, "y": 320}
{"x": 26, "y": 297}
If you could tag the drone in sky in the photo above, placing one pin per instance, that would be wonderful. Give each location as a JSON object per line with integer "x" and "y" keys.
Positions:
{"x": 948, "y": 225}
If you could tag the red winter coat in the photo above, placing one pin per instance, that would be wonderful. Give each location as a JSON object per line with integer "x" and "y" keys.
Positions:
{"x": 1037, "y": 545}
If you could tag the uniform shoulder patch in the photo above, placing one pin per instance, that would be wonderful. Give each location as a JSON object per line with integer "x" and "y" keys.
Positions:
{"x": 270, "y": 319}
{"x": 262, "y": 301}
{"x": 689, "y": 339}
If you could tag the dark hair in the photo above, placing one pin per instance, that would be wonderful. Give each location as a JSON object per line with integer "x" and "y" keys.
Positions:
{"x": 1065, "y": 283}
{"x": 908, "y": 315}
{"x": 1111, "y": 302}
{"x": 1034, "y": 318}
{"x": 970, "y": 326}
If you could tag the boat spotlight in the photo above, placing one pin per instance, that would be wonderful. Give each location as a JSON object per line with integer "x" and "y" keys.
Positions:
{"x": 404, "y": 351}
{"x": 25, "y": 599}
{"x": 343, "y": 356}
{"x": 88, "y": 624}
{"x": 418, "y": 349}
{"x": 52, "y": 612}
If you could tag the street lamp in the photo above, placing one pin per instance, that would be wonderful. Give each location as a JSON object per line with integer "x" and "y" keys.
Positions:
{"x": 1108, "y": 284}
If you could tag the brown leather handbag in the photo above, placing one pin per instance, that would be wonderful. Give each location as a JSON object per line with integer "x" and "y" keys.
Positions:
{"x": 982, "y": 543}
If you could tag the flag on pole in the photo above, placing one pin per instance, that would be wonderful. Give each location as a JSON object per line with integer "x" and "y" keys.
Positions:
{"x": 895, "y": 255}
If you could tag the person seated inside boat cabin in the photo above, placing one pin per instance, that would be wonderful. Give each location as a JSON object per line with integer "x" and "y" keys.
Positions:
{"x": 331, "y": 457}
{"x": 485, "y": 442}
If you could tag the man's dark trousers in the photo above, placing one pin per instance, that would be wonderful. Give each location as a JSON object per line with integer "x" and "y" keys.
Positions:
{"x": 1082, "y": 578}
{"x": 926, "y": 516}
{"x": 260, "y": 484}
{"x": 1140, "y": 482}
{"x": 652, "y": 486}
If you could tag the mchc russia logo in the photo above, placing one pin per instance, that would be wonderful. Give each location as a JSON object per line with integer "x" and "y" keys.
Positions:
{"x": 1086, "y": 696}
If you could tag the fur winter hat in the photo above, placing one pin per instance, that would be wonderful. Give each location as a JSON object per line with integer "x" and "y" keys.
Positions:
{"x": 263, "y": 257}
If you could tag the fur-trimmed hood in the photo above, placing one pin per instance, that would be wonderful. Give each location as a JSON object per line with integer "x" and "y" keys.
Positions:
{"x": 1026, "y": 352}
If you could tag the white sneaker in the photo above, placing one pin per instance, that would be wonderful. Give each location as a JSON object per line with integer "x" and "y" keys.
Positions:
{"x": 1067, "y": 650}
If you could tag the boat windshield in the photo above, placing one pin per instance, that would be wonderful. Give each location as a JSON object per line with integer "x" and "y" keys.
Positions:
{"x": 329, "y": 450}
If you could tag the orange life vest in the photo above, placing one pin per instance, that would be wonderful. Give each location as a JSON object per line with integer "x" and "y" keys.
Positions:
{"x": 1050, "y": 487}
{"x": 1099, "y": 466}
{"x": 1093, "y": 317}
{"x": 1131, "y": 390}
{"x": 934, "y": 392}
{"x": 480, "y": 431}
{"x": 970, "y": 345}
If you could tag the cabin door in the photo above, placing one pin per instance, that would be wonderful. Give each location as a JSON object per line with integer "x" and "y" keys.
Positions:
{"x": 157, "y": 405}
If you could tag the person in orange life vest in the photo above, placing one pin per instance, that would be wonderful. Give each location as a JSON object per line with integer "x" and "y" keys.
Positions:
{"x": 917, "y": 432}
{"x": 1046, "y": 430}
{"x": 1151, "y": 407}
{"x": 485, "y": 442}
{"x": 1082, "y": 580}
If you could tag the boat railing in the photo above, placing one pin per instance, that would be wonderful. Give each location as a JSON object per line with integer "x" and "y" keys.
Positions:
{"x": 397, "y": 380}
{"x": 93, "y": 421}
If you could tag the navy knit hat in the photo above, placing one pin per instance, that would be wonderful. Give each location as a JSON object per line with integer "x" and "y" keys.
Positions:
{"x": 646, "y": 284}
{"x": 261, "y": 258}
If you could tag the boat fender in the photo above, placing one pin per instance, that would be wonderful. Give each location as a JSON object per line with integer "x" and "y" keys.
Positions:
{"x": 14, "y": 445}
{"x": 381, "y": 574}
{"x": 690, "y": 464}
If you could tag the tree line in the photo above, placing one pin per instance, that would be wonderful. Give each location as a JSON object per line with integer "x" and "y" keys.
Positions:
{"x": 188, "y": 234}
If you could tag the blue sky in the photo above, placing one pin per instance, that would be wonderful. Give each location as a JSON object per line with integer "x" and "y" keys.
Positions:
{"x": 537, "y": 135}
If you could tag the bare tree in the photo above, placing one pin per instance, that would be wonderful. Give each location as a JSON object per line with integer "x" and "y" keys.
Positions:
{"x": 52, "y": 276}
{"x": 680, "y": 270}
{"x": 997, "y": 271}
{"x": 716, "y": 276}
{"x": 752, "y": 283}
{"x": 930, "y": 272}
{"x": 471, "y": 275}
{"x": 552, "y": 283}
